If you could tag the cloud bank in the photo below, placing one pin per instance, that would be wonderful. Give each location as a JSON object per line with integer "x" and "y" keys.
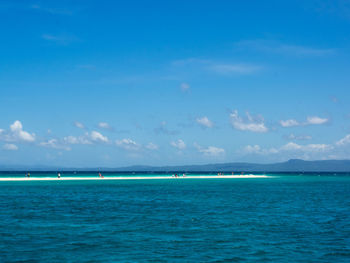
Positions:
{"x": 250, "y": 123}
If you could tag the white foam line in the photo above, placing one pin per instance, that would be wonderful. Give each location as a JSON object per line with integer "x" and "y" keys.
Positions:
{"x": 132, "y": 178}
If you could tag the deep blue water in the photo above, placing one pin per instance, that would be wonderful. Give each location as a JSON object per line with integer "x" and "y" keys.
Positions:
{"x": 282, "y": 219}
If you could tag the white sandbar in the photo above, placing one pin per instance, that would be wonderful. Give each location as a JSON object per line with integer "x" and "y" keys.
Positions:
{"x": 132, "y": 178}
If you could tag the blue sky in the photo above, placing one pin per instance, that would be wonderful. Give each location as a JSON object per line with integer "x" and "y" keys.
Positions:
{"x": 115, "y": 83}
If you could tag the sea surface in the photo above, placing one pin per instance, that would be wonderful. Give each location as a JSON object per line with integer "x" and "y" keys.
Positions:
{"x": 284, "y": 218}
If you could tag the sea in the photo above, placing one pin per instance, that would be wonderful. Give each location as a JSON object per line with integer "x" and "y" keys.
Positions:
{"x": 281, "y": 218}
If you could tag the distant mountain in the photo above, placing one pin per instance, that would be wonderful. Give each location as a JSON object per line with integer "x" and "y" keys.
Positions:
{"x": 294, "y": 165}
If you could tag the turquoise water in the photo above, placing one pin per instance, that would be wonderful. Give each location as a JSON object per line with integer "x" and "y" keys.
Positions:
{"x": 278, "y": 219}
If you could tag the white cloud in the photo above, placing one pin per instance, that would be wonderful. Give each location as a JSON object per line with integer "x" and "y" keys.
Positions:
{"x": 10, "y": 147}
{"x": 343, "y": 141}
{"x": 87, "y": 138}
{"x": 79, "y": 125}
{"x": 3, "y": 136}
{"x": 249, "y": 124}
{"x": 128, "y": 144}
{"x": 55, "y": 144}
{"x": 281, "y": 48}
{"x": 299, "y": 137}
{"x": 316, "y": 120}
{"x": 152, "y": 146}
{"x": 256, "y": 149}
{"x": 18, "y": 134}
{"x": 337, "y": 150}
{"x": 185, "y": 87}
{"x": 77, "y": 140}
{"x": 289, "y": 123}
{"x": 16, "y": 126}
{"x": 252, "y": 149}
{"x": 318, "y": 147}
{"x": 71, "y": 139}
{"x": 234, "y": 69}
{"x": 290, "y": 147}
{"x": 179, "y": 144}
{"x": 104, "y": 125}
{"x": 210, "y": 150}
{"x": 131, "y": 145}
{"x": 217, "y": 67}
{"x": 98, "y": 137}
{"x": 205, "y": 122}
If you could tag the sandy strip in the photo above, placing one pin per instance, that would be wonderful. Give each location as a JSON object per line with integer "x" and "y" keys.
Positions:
{"x": 131, "y": 178}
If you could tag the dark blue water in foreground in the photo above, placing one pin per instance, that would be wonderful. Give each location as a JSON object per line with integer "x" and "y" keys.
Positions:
{"x": 284, "y": 219}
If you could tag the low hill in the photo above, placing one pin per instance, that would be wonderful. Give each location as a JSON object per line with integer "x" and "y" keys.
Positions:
{"x": 294, "y": 165}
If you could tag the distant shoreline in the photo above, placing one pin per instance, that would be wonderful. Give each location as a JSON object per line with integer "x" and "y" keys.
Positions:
{"x": 131, "y": 178}
{"x": 291, "y": 166}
